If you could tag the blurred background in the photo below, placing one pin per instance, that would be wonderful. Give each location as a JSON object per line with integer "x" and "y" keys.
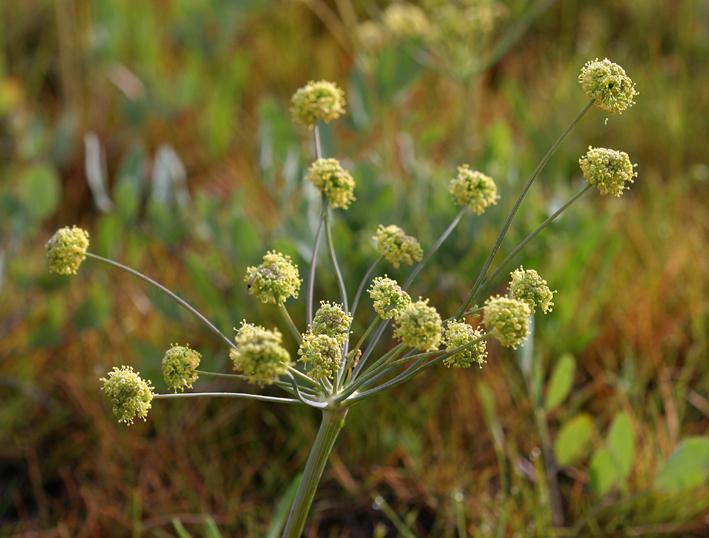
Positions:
{"x": 162, "y": 127}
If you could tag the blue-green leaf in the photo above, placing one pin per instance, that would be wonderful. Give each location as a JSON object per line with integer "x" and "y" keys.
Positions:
{"x": 573, "y": 439}
{"x": 562, "y": 379}
{"x": 621, "y": 444}
{"x": 687, "y": 467}
{"x": 603, "y": 471}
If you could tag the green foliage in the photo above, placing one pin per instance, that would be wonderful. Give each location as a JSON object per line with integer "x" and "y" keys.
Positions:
{"x": 687, "y": 467}
{"x": 561, "y": 381}
{"x": 572, "y": 442}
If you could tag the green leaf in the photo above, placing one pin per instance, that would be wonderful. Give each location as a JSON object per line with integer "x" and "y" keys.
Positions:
{"x": 40, "y": 190}
{"x": 210, "y": 528}
{"x": 562, "y": 379}
{"x": 181, "y": 531}
{"x": 621, "y": 444}
{"x": 687, "y": 467}
{"x": 282, "y": 509}
{"x": 573, "y": 438}
{"x": 603, "y": 471}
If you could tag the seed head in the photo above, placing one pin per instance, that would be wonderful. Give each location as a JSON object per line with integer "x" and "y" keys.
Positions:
{"x": 317, "y": 101}
{"x": 406, "y": 21}
{"x": 389, "y": 299}
{"x": 608, "y": 85}
{"x": 178, "y": 367}
{"x": 67, "y": 249}
{"x": 323, "y": 352}
{"x": 275, "y": 280}
{"x": 129, "y": 394}
{"x": 396, "y": 246}
{"x": 333, "y": 181}
{"x": 508, "y": 320}
{"x": 259, "y": 354}
{"x": 419, "y": 326}
{"x": 529, "y": 287}
{"x": 331, "y": 319}
{"x": 474, "y": 189}
{"x": 458, "y": 334}
{"x": 608, "y": 169}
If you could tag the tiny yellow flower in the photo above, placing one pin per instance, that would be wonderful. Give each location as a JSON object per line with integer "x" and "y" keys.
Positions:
{"x": 608, "y": 170}
{"x": 275, "y": 280}
{"x": 389, "y": 299}
{"x": 419, "y": 326}
{"x": 178, "y": 367}
{"x": 331, "y": 319}
{"x": 67, "y": 249}
{"x": 608, "y": 85}
{"x": 508, "y": 320}
{"x": 396, "y": 246}
{"x": 529, "y": 287}
{"x": 323, "y": 352}
{"x": 129, "y": 394}
{"x": 474, "y": 189}
{"x": 259, "y": 354}
{"x": 458, "y": 334}
{"x": 333, "y": 181}
{"x": 317, "y": 101}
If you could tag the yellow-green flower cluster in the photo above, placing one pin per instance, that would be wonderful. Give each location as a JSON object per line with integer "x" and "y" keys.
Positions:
{"x": 474, "y": 189}
{"x": 608, "y": 170}
{"x": 608, "y": 85}
{"x": 507, "y": 319}
{"x": 331, "y": 319}
{"x": 259, "y": 354}
{"x": 419, "y": 326}
{"x": 458, "y": 334}
{"x": 275, "y": 280}
{"x": 389, "y": 299}
{"x": 333, "y": 181}
{"x": 317, "y": 101}
{"x": 129, "y": 394}
{"x": 396, "y": 246}
{"x": 529, "y": 287}
{"x": 178, "y": 367}
{"x": 67, "y": 249}
{"x": 323, "y": 352}
{"x": 405, "y": 20}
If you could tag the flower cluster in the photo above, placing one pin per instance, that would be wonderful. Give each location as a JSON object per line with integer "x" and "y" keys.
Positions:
{"x": 178, "y": 367}
{"x": 67, "y": 249}
{"x": 275, "y": 280}
{"x": 474, "y": 189}
{"x": 529, "y": 287}
{"x": 459, "y": 334}
{"x": 317, "y": 101}
{"x": 129, "y": 394}
{"x": 323, "y": 352}
{"x": 396, "y": 246}
{"x": 608, "y": 170}
{"x": 419, "y": 326}
{"x": 259, "y": 354}
{"x": 333, "y": 181}
{"x": 406, "y": 21}
{"x": 508, "y": 320}
{"x": 331, "y": 320}
{"x": 608, "y": 85}
{"x": 389, "y": 299}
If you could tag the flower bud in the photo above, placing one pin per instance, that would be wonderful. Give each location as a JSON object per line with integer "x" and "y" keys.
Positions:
{"x": 259, "y": 354}
{"x": 275, "y": 280}
{"x": 529, "y": 287}
{"x": 396, "y": 246}
{"x": 317, "y": 101}
{"x": 474, "y": 189}
{"x": 331, "y": 320}
{"x": 458, "y": 334}
{"x": 129, "y": 394}
{"x": 508, "y": 320}
{"x": 419, "y": 326}
{"x": 389, "y": 299}
{"x": 608, "y": 85}
{"x": 178, "y": 367}
{"x": 333, "y": 181}
{"x": 323, "y": 352}
{"x": 67, "y": 249}
{"x": 608, "y": 170}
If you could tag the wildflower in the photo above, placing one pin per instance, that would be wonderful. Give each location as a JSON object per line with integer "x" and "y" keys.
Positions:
{"x": 608, "y": 85}
{"x": 331, "y": 320}
{"x": 474, "y": 189}
{"x": 317, "y": 101}
{"x": 419, "y": 326}
{"x": 323, "y": 352}
{"x": 406, "y": 21}
{"x": 371, "y": 36}
{"x": 396, "y": 246}
{"x": 275, "y": 280}
{"x": 129, "y": 394}
{"x": 389, "y": 299}
{"x": 178, "y": 367}
{"x": 458, "y": 334}
{"x": 508, "y": 320}
{"x": 608, "y": 169}
{"x": 259, "y": 354}
{"x": 333, "y": 181}
{"x": 67, "y": 249}
{"x": 529, "y": 287}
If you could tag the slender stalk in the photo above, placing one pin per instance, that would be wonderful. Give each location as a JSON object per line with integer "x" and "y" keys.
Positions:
{"x": 313, "y": 263}
{"x": 302, "y": 376}
{"x": 333, "y": 259}
{"x": 242, "y": 395}
{"x": 381, "y": 363}
{"x": 515, "y": 209}
{"x": 289, "y": 321}
{"x": 280, "y": 384}
{"x": 363, "y": 285}
{"x": 332, "y": 422}
{"x": 318, "y": 146}
{"x": 346, "y": 365}
{"x": 164, "y": 290}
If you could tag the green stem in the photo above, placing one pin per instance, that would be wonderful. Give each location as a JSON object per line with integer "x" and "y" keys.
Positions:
{"x": 289, "y": 321}
{"x": 333, "y": 259}
{"x": 313, "y": 264}
{"x": 363, "y": 284}
{"x": 353, "y": 353}
{"x": 332, "y": 422}
{"x": 280, "y": 384}
{"x": 242, "y": 395}
{"x": 164, "y": 290}
{"x": 381, "y": 363}
{"x": 515, "y": 209}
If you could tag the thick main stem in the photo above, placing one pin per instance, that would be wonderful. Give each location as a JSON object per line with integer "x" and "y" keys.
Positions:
{"x": 332, "y": 422}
